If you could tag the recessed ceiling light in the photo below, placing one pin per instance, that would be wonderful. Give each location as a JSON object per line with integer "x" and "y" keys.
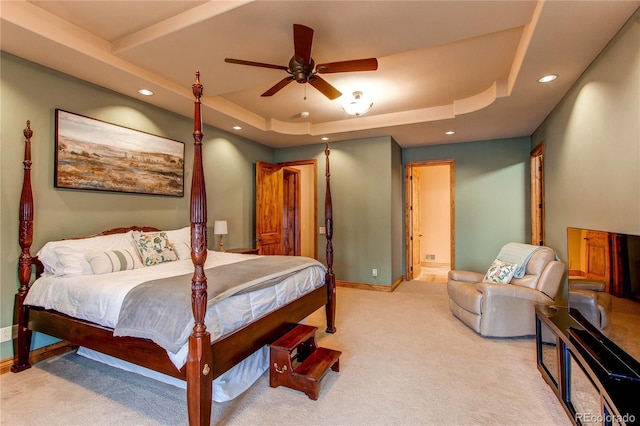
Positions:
{"x": 145, "y": 92}
{"x": 450, "y": 132}
{"x": 324, "y": 138}
{"x": 547, "y": 78}
{"x": 304, "y": 114}
{"x": 237, "y": 128}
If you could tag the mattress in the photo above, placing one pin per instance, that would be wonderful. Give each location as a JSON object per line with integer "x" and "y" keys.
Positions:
{"x": 98, "y": 298}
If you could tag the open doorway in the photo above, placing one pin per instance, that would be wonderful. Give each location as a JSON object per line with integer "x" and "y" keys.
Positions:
{"x": 429, "y": 218}
{"x": 306, "y": 216}
{"x": 286, "y": 208}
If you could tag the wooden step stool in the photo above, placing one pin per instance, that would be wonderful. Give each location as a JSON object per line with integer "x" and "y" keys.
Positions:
{"x": 298, "y": 363}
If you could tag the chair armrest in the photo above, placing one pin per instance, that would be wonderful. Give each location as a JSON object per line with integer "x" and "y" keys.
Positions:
{"x": 586, "y": 302}
{"x": 508, "y": 309}
{"x": 466, "y": 276}
{"x": 492, "y": 291}
{"x": 584, "y": 284}
{"x": 583, "y": 296}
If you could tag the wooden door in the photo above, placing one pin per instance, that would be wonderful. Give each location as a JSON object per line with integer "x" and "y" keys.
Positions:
{"x": 269, "y": 208}
{"x": 416, "y": 221}
{"x": 291, "y": 216}
{"x": 597, "y": 256}
{"x": 536, "y": 185}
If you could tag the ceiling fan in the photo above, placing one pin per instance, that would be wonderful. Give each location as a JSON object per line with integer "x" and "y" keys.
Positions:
{"x": 302, "y": 67}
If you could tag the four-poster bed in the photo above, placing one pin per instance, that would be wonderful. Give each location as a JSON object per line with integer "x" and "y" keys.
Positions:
{"x": 207, "y": 357}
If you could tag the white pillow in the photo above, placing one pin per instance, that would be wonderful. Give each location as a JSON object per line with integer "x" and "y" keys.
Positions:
{"x": 500, "y": 272}
{"x": 70, "y": 262}
{"x": 182, "y": 235}
{"x": 103, "y": 262}
{"x": 64, "y": 262}
{"x": 180, "y": 240}
{"x": 182, "y": 249}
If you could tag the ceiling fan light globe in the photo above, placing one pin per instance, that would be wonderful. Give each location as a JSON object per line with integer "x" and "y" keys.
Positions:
{"x": 359, "y": 104}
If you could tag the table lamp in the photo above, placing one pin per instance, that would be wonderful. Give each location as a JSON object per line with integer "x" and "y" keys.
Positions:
{"x": 220, "y": 228}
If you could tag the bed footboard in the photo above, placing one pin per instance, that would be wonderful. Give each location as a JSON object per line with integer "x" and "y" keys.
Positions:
{"x": 330, "y": 278}
{"x": 199, "y": 360}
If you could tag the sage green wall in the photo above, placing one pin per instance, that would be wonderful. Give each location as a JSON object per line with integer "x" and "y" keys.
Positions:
{"x": 32, "y": 92}
{"x": 491, "y": 195}
{"x": 592, "y": 146}
{"x": 364, "y": 186}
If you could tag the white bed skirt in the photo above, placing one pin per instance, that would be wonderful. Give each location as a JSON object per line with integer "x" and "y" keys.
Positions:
{"x": 225, "y": 388}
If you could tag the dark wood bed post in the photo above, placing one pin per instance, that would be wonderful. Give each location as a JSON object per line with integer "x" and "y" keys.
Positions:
{"x": 330, "y": 278}
{"x": 199, "y": 376}
{"x": 22, "y": 344}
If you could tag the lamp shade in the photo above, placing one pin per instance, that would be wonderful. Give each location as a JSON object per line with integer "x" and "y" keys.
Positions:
{"x": 358, "y": 104}
{"x": 220, "y": 227}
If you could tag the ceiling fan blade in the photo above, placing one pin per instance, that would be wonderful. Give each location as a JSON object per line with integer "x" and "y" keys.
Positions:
{"x": 254, "y": 64}
{"x": 324, "y": 87}
{"x": 279, "y": 85}
{"x": 370, "y": 64}
{"x": 302, "y": 39}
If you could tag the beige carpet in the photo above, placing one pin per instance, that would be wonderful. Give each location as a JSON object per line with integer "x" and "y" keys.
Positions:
{"x": 406, "y": 361}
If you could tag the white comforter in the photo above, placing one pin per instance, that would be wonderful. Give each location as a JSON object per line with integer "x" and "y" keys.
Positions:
{"x": 98, "y": 298}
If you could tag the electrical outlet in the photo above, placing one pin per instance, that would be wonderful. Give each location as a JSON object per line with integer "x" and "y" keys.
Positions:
{"x": 5, "y": 334}
{"x": 374, "y": 272}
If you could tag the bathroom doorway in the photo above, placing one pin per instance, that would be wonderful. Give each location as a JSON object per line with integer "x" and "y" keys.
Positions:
{"x": 429, "y": 218}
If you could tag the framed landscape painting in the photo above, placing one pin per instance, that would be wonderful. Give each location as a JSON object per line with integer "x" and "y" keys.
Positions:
{"x": 95, "y": 155}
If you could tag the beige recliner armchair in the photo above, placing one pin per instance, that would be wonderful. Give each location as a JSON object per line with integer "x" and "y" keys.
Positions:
{"x": 591, "y": 300}
{"x": 506, "y": 310}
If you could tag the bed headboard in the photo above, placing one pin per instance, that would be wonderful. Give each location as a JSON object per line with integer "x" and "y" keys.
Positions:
{"x": 125, "y": 229}
{"x": 118, "y": 230}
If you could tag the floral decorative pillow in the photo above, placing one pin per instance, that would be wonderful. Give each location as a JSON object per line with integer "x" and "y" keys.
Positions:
{"x": 103, "y": 262}
{"x": 500, "y": 272}
{"x": 154, "y": 247}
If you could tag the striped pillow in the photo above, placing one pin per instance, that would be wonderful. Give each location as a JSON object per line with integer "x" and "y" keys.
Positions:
{"x": 103, "y": 262}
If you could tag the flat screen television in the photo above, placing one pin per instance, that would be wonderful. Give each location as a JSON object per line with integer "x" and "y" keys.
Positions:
{"x": 607, "y": 264}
